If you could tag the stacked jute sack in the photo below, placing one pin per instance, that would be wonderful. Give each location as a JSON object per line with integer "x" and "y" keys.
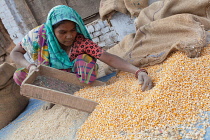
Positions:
{"x": 11, "y": 102}
{"x": 161, "y": 28}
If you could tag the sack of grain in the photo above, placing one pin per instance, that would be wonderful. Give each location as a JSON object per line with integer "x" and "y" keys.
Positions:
{"x": 11, "y": 102}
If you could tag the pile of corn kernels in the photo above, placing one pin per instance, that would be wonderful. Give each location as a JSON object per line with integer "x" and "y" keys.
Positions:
{"x": 172, "y": 109}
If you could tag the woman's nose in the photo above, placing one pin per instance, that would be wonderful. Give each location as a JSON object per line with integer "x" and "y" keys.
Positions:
{"x": 69, "y": 36}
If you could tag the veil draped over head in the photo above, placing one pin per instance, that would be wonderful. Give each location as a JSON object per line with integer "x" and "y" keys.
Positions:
{"x": 58, "y": 57}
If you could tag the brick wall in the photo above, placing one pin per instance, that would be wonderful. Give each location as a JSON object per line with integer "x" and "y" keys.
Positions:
{"x": 107, "y": 36}
{"x": 102, "y": 33}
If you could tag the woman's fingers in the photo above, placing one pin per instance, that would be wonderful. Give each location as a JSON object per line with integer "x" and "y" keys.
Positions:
{"x": 150, "y": 85}
{"x": 33, "y": 68}
{"x": 145, "y": 81}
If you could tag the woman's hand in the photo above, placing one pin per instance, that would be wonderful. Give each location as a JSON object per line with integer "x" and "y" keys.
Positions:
{"x": 120, "y": 64}
{"x": 32, "y": 67}
{"x": 145, "y": 81}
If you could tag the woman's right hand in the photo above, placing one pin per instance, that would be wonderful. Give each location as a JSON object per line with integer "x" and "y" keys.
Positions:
{"x": 32, "y": 67}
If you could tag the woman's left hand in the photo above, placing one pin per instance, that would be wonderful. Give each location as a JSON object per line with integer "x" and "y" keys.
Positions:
{"x": 145, "y": 81}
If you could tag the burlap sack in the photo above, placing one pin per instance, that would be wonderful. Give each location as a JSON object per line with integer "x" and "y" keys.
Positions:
{"x": 121, "y": 49}
{"x": 130, "y": 7}
{"x": 165, "y": 8}
{"x": 163, "y": 27}
{"x": 2, "y": 51}
{"x": 11, "y": 102}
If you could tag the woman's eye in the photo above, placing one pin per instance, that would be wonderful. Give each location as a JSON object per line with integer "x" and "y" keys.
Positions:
{"x": 62, "y": 32}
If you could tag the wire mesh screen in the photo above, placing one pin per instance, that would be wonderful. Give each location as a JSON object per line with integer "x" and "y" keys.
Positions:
{"x": 56, "y": 84}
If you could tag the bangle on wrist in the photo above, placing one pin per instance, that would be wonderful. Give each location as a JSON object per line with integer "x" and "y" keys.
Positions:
{"x": 29, "y": 66}
{"x": 140, "y": 70}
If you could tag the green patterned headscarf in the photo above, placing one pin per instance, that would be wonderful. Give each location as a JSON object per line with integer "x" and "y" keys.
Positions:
{"x": 58, "y": 57}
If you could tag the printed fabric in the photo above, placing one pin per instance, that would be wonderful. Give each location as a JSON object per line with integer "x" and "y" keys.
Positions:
{"x": 85, "y": 68}
{"x": 42, "y": 47}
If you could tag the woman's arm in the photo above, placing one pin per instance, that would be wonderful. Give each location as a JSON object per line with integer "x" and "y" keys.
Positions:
{"x": 17, "y": 55}
{"x": 119, "y": 63}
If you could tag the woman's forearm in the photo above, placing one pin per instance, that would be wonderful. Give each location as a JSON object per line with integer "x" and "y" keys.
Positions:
{"x": 19, "y": 59}
{"x": 118, "y": 63}
{"x": 121, "y": 64}
{"x": 17, "y": 55}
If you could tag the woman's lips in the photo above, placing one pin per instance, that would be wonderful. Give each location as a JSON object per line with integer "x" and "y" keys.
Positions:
{"x": 68, "y": 42}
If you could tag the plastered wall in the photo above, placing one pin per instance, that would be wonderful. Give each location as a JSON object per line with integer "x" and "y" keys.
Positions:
{"x": 12, "y": 20}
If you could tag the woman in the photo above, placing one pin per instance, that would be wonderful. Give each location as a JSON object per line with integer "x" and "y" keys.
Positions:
{"x": 64, "y": 43}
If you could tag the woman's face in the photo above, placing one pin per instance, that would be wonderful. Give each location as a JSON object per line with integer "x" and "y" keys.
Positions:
{"x": 66, "y": 33}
